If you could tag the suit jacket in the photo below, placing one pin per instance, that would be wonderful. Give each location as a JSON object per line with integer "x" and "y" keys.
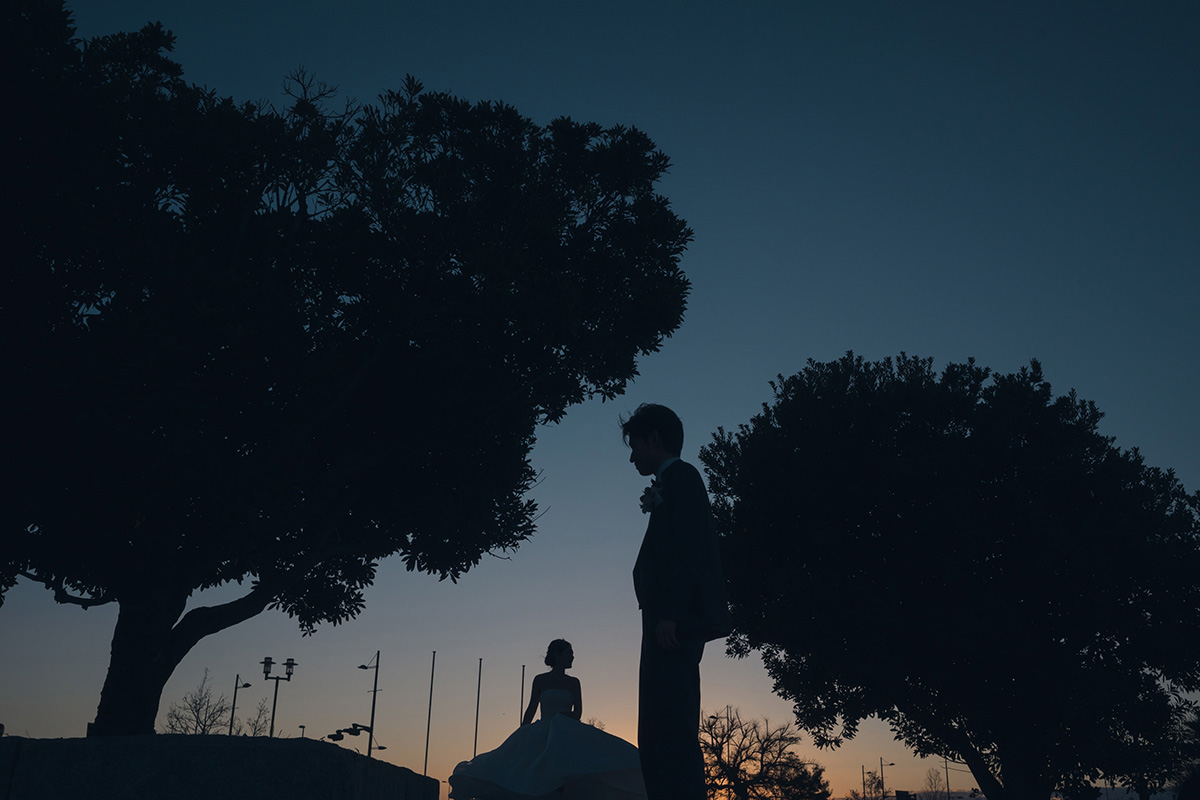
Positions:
{"x": 678, "y": 574}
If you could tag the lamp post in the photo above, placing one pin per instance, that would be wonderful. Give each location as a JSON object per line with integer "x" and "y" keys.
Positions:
{"x": 289, "y": 667}
{"x": 237, "y": 683}
{"x": 882, "y": 791}
{"x": 727, "y": 737}
{"x": 374, "y": 694}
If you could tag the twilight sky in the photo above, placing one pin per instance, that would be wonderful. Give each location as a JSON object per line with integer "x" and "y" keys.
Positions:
{"x": 999, "y": 180}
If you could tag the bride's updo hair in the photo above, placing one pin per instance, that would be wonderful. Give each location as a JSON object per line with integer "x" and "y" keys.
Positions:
{"x": 556, "y": 647}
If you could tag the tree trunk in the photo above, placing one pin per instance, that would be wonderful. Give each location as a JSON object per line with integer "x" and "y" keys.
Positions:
{"x": 141, "y": 661}
{"x": 989, "y": 784}
{"x": 149, "y": 642}
{"x": 1024, "y": 781}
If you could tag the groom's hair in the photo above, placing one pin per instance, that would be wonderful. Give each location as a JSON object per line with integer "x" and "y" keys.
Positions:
{"x": 650, "y": 417}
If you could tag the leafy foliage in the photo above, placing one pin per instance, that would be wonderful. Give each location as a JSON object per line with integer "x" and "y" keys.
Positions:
{"x": 967, "y": 557}
{"x": 1187, "y": 786}
{"x": 279, "y": 346}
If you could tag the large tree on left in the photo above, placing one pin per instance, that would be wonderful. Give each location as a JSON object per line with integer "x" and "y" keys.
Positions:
{"x": 277, "y": 347}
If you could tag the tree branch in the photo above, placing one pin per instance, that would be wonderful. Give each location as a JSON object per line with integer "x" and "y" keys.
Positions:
{"x": 206, "y": 620}
{"x": 60, "y": 593}
{"x": 989, "y": 784}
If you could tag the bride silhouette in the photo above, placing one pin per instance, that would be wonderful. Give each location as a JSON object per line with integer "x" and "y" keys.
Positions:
{"x": 557, "y": 756}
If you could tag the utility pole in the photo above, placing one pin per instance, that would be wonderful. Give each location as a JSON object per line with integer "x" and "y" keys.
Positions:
{"x": 374, "y": 695}
{"x": 429, "y": 719}
{"x": 478, "y": 690}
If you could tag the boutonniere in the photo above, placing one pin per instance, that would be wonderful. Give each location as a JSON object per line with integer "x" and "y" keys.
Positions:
{"x": 651, "y": 498}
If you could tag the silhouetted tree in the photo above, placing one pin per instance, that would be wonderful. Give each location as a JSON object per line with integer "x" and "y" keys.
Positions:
{"x": 872, "y": 787}
{"x": 256, "y": 725}
{"x": 751, "y": 760}
{"x": 1187, "y": 784}
{"x": 1189, "y": 787}
{"x": 968, "y": 558}
{"x": 199, "y": 712}
{"x": 1173, "y": 748}
{"x": 934, "y": 787}
{"x": 281, "y": 346}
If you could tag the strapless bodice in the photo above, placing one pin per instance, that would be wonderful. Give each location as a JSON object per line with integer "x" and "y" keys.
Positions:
{"x": 555, "y": 701}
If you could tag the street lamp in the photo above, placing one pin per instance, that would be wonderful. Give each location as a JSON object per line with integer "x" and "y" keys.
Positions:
{"x": 237, "y": 683}
{"x": 353, "y": 730}
{"x": 374, "y": 694}
{"x": 727, "y": 737}
{"x": 882, "y": 791}
{"x": 289, "y": 667}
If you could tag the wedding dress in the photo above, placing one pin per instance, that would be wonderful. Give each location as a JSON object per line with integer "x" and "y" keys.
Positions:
{"x": 554, "y": 757}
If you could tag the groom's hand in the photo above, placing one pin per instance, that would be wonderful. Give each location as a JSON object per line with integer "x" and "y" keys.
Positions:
{"x": 665, "y": 633}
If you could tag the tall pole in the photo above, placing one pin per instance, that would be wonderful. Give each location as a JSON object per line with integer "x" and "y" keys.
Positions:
{"x": 288, "y": 665}
{"x": 521, "y": 710}
{"x": 946, "y": 763}
{"x": 864, "y": 773}
{"x": 478, "y": 690}
{"x": 374, "y": 694}
{"x": 429, "y": 719}
{"x": 233, "y": 708}
{"x": 882, "y": 791}
{"x": 274, "y": 703}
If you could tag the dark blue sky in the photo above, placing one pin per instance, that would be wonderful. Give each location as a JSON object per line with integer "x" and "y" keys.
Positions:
{"x": 997, "y": 180}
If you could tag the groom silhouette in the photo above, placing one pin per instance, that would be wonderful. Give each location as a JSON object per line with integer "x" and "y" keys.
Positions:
{"x": 681, "y": 592}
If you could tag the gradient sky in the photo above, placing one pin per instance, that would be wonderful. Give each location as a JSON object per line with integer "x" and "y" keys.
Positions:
{"x": 999, "y": 180}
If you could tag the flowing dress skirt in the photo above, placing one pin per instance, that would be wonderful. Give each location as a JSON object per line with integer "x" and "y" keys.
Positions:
{"x": 555, "y": 758}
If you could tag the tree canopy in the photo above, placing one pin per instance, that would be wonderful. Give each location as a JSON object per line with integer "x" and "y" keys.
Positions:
{"x": 277, "y": 346}
{"x": 965, "y": 556}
